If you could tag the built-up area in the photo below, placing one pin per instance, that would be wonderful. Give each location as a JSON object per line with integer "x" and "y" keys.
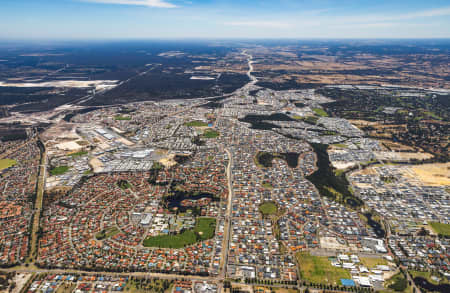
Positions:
{"x": 217, "y": 189}
{"x": 18, "y": 176}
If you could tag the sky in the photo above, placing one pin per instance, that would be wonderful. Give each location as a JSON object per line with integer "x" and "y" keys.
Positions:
{"x": 222, "y": 19}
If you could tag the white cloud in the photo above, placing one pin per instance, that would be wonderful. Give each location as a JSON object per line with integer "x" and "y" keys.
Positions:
{"x": 350, "y": 21}
{"x": 149, "y": 3}
{"x": 378, "y": 21}
{"x": 444, "y": 11}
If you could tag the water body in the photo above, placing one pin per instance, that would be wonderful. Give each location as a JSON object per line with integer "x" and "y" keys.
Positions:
{"x": 262, "y": 121}
{"x": 324, "y": 178}
{"x": 291, "y": 159}
{"x": 423, "y": 283}
{"x": 378, "y": 229}
{"x": 176, "y": 201}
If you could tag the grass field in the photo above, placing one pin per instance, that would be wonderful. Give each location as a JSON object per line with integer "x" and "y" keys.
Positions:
{"x": 66, "y": 288}
{"x": 372, "y": 262}
{"x": 397, "y": 283}
{"x": 107, "y": 233}
{"x": 268, "y": 208}
{"x": 428, "y": 275}
{"x": 78, "y": 154}
{"x": 318, "y": 270}
{"x": 320, "y": 112}
{"x": 210, "y": 133}
{"x": 267, "y": 185}
{"x": 123, "y": 184}
{"x": 149, "y": 285}
{"x": 341, "y": 145}
{"x": 59, "y": 170}
{"x": 441, "y": 229}
{"x": 307, "y": 119}
{"x": 311, "y": 120}
{"x": 204, "y": 229}
{"x": 6, "y": 163}
{"x": 196, "y": 123}
{"x": 122, "y": 118}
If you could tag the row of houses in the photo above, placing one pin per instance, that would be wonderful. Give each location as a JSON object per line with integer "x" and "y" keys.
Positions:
{"x": 17, "y": 189}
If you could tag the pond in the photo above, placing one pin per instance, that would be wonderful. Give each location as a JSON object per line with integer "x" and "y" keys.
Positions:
{"x": 185, "y": 200}
{"x": 376, "y": 226}
{"x": 423, "y": 283}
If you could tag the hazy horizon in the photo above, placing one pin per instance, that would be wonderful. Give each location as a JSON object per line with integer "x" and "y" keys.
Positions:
{"x": 222, "y": 19}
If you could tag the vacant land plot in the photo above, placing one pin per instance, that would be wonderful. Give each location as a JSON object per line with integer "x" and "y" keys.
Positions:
{"x": 96, "y": 165}
{"x": 440, "y": 228}
{"x": 66, "y": 288}
{"x": 20, "y": 280}
{"x": 69, "y": 146}
{"x": 402, "y": 156}
{"x": 168, "y": 161}
{"x": 149, "y": 285}
{"x": 6, "y": 163}
{"x": 204, "y": 229}
{"x": 433, "y": 174}
{"x": 262, "y": 289}
{"x": 396, "y": 146}
{"x": 372, "y": 262}
{"x": 318, "y": 270}
{"x": 332, "y": 243}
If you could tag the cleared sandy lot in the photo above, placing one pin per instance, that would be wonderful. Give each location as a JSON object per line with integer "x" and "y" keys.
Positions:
{"x": 433, "y": 174}
{"x": 96, "y": 164}
{"x": 402, "y": 156}
{"x": 69, "y": 146}
{"x": 168, "y": 161}
{"x": 98, "y": 84}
